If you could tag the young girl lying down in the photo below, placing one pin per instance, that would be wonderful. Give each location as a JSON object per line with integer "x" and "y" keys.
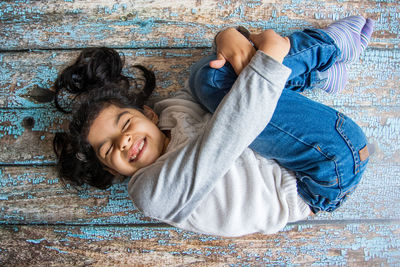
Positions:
{"x": 265, "y": 157}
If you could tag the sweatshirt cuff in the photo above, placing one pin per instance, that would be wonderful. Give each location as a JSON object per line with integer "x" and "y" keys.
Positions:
{"x": 273, "y": 71}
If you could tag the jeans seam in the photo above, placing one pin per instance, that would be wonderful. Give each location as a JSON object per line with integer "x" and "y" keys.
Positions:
{"x": 308, "y": 48}
{"x": 213, "y": 78}
{"x": 295, "y": 83}
{"x": 315, "y": 209}
{"x": 348, "y": 191}
{"x": 315, "y": 147}
{"x": 340, "y": 121}
{"x": 338, "y": 178}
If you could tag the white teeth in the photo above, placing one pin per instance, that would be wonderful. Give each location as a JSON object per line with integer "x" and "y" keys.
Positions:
{"x": 141, "y": 146}
{"x": 140, "y": 149}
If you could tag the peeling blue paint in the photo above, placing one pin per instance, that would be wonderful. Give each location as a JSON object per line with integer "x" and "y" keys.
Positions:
{"x": 11, "y": 122}
{"x": 378, "y": 67}
{"x": 87, "y": 30}
{"x": 117, "y": 208}
{"x": 36, "y": 241}
{"x": 57, "y": 249}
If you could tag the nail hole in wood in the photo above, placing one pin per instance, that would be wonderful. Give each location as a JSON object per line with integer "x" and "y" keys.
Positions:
{"x": 28, "y": 122}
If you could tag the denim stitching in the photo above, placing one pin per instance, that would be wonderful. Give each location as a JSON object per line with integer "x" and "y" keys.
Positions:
{"x": 333, "y": 204}
{"x": 213, "y": 78}
{"x": 338, "y": 178}
{"x": 349, "y": 190}
{"x": 341, "y": 119}
{"x": 309, "y": 48}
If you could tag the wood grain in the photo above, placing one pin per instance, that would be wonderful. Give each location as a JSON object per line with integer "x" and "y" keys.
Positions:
{"x": 380, "y": 124}
{"x": 334, "y": 244}
{"x": 193, "y": 23}
{"x": 35, "y": 195}
{"x": 373, "y": 80}
{"x": 43, "y": 224}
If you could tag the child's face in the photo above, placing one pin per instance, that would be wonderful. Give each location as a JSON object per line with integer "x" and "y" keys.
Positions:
{"x": 126, "y": 140}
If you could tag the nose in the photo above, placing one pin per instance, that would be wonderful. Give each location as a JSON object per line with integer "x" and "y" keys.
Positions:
{"x": 124, "y": 142}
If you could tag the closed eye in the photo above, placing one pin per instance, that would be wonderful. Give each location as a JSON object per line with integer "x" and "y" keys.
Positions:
{"x": 108, "y": 151}
{"x": 126, "y": 124}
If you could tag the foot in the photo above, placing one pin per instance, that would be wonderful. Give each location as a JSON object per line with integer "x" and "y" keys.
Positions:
{"x": 351, "y": 35}
{"x": 366, "y": 33}
{"x": 336, "y": 78}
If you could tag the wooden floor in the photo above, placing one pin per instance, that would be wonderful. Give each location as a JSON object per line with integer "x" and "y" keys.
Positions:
{"x": 41, "y": 224}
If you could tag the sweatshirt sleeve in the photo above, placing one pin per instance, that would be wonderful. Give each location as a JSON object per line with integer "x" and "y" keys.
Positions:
{"x": 172, "y": 187}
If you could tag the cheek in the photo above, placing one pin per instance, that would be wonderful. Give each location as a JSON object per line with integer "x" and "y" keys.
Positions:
{"x": 115, "y": 159}
{"x": 114, "y": 162}
{"x": 122, "y": 168}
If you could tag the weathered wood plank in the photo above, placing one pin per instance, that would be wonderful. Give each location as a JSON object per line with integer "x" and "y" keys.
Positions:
{"x": 134, "y": 24}
{"x": 330, "y": 244}
{"x": 23, "y": 76}
{"x": 373, "y": 81}
{"x": 106, "y": 229}
{"x": 26, "y": 134}
{"x": 34, "y": 195}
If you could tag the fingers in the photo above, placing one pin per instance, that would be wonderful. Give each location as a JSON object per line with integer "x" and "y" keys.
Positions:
{"x": 272, "y": 44}
{"x": 238, "y": 65}
{"x": 233, "y": 47}
{"x": 219, "y": 62}
{"x": 264, "y": 36}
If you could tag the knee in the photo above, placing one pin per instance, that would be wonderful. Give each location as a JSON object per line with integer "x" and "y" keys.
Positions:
{"x": 210, "y": 85}
{"x": 198, "y": 72}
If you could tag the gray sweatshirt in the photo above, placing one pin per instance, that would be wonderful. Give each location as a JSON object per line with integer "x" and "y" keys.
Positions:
{"x": 209, "y": 181}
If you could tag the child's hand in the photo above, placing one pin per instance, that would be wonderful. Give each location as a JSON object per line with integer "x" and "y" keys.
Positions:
{"x": 232, "y": 46}
{"x": 272, "y": 44}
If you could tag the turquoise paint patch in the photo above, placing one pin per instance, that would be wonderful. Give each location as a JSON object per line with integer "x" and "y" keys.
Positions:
{"x": 20, "y": 96}
{"x": 388, "y": 18}
{"x": 5, "y": 74}
{"x": 29, "y": 162}
{"x": 57, "y": 249}
{"x": 254, "y": 3}
{"x": 11, "y": 122}
{"x": 53, "y": 181}
{"x": 36, "y": 241}
{"x": 12, "y": 11}
{"x": 110, "y": 233}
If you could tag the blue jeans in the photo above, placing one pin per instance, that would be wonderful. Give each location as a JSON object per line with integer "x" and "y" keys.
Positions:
{"x": 326, "y": 149}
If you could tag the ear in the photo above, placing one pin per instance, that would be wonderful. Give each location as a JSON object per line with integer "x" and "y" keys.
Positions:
{"x": 150, "y": 114}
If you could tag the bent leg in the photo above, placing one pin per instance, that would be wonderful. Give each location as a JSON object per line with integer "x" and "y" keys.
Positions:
{"x": 326, "y": 149}
{"x": 321, "y": 145}
{"x": 312, "y": 52}
{"x": 208, "y": 85}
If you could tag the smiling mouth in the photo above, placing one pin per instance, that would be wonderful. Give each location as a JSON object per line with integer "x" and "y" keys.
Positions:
{"x": 136, "y": 150}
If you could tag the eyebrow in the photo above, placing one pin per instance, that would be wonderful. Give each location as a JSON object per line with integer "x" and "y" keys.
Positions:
{"x": 116, "y": 121}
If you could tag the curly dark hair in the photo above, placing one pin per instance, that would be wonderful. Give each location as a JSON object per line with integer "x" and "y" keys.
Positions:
{"x": 96, "y": 78}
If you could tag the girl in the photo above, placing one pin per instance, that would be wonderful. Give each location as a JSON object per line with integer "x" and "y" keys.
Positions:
{"x": 194, "y": 170}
